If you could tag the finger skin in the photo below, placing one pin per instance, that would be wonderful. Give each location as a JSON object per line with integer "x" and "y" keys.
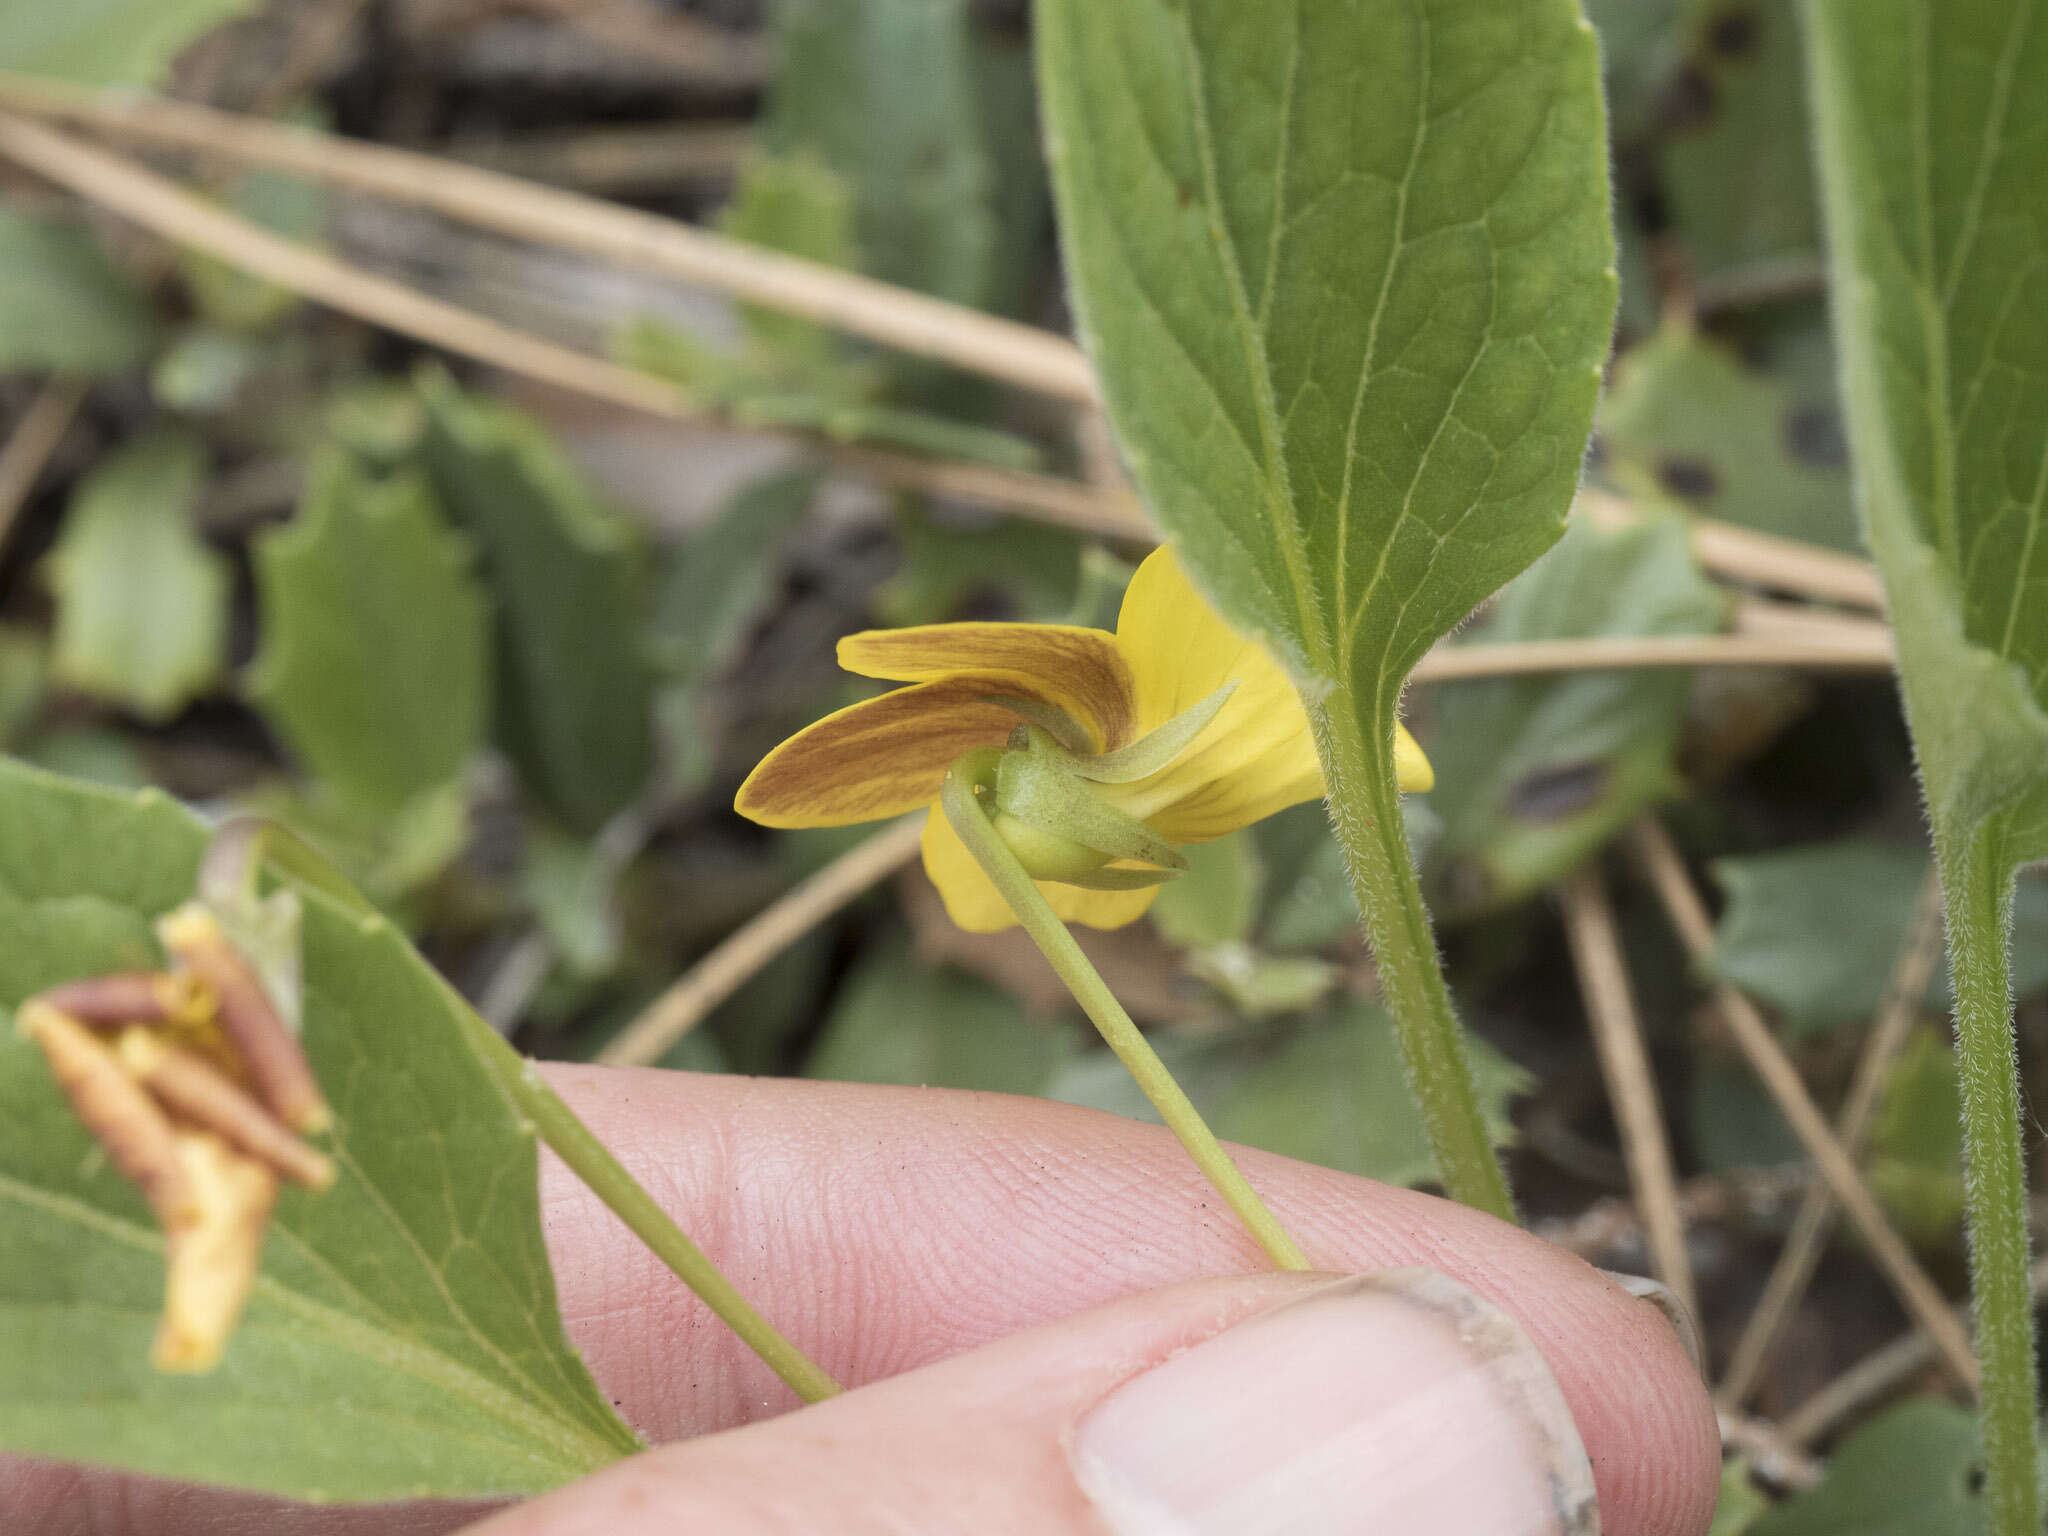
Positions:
{"x": 883, "y": 1229}
{"x": 974, "y": 1443}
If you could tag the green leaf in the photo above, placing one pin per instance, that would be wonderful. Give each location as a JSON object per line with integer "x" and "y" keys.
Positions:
{"x": 203, "y": 370}
{"x": 390, "y": 853}
{"x": 793, "y": 203}
{"x": 375, "y": 663}
{"x": 884, "y": 95}
{"x": 142, "y": 604}
{"x": 1327, "y": 1090}
{"x": 1913, "y": 1471}
{"x": 106, "y": 42}
{"x": 574, "y": 689}
{"x": 1032, "y": 566}
{"x": 403, "y": 1339}
{"x": 716, "y": 579}
{"x": 232, "y": 297}
{"x": 1215, "y": 901}
{"x": 901, "y": 1022}
{"x": 1641, "y": 45}
{"x": 1687, "y": 418}
{"x": 1814, "y": 931}
{"x": 1534, "y": 773}
{"x": 63, "y": 305}
{"x": 1740, "y": 1502}
{"x": 1346, "y": 274}
{"x": 1732, "y": 1121}
{"x": 572, "y": 887}
{"x": 1915, "y": 1163}
{"x": 1737, "y": 165}
{"x": 1933, "y": 137}
{"x": 1934, "y": 147}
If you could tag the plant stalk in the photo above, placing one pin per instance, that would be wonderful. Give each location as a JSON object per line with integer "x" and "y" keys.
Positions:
{"x": 1365, "y": 805}
{"x": 608, "y": 1179}
{"x": 963, "y": 808}
{"x": 1977, "y": 887}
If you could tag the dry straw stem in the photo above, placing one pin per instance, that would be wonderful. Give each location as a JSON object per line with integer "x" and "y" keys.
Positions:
{"x": 1631, "y": 1087}
{"x": 1772, "y": 1457}
{"x": 1022, "y": 355}
{"x": 728, "y": 967}
{"x": 644, "y": 158}
{"x": 1763, "y": 558}
{"x": 1688, "y": 915}
{"x": 1878, "y": 1374}
{"x": 1845, "y": 651}
{"x": 34, "y": 439}
{"x": 1786, "y": 1287}
{"x": 169, "y": 210}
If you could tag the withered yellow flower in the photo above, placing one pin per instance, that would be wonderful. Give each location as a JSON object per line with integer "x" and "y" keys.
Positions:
{"x": 1173, "y": 662}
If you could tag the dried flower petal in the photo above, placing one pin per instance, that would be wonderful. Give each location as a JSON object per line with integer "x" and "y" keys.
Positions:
{"x": 283, "y": 1077}
{"x": 199, "y": 1094}
{"x": 137, "y": 1135}
{"x": 134, "y": 997}
{"x": 213, "y": 1254}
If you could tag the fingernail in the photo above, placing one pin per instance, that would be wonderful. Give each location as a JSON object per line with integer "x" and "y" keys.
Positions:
{"x": 1676, "y": 1312}
{"x": 1396, "y": 1401}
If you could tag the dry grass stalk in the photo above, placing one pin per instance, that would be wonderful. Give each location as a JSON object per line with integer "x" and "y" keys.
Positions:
{"x": 1016, "y": 354}
{"x": 35, "y": 437}
{"x": 1631, "y": 1086}
{"x": 728, "y": 967}
{"x": 1789, "y": 1277}
{"x": 1916, "y": 1291}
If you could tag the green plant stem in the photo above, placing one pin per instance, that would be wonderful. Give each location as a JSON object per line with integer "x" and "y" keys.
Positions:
{"x": 1365, "y": 804}
{"x": 963, "y": 808}
{"x": 1977, "y": 883}
{"x": 607, "y": 1178}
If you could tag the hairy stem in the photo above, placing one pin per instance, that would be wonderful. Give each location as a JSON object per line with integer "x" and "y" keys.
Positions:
{"x": 1365, "y": 804}
{"x": 963, "y": 808}
{"x": 607, "y": 1178}
{"x": 1977, "y": 883}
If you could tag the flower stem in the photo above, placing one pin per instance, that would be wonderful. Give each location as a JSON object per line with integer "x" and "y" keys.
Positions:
{"x": 1977, "y": 884}
{"x": 963, "y": 808}
{"x": 607, "y": 1178}
{"x": 1365, "y": 804}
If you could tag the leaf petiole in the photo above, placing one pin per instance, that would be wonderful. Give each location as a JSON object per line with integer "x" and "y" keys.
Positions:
{"x": 960, "y": 798}
{"x": 607, "y": 1178}
{"x": 1363, "y": 780}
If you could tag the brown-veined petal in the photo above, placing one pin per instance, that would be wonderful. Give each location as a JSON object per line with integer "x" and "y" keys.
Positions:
{"x": 880, "y": 757}
{"x": 1079, "y": 671}
{"x": 973, "y": 902}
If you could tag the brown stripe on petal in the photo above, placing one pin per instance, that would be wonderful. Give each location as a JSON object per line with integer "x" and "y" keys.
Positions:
{"x": 122, "y": 1118}
{"x": 131, "y": 997}
{"x": 272, "y": 1053}
{"x": 879, "y": 758}
{"x": 1080, "y": 671}
{"x": 198, "y": 1093}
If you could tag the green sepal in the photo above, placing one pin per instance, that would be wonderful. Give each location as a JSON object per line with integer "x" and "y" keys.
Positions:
{"x": 1121, "y": 879}
{"x": 1153, "y": 751}
{"x": 1041, "y": 791}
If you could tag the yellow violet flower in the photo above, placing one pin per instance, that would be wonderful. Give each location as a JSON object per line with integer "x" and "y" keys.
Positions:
{"x": 972, "y": 685}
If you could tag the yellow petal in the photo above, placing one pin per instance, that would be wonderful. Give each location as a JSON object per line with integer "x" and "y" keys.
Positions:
{"x": 1079, "y": 671}
{"x": 1411, "y": 767}
{"x": 1255, "y": 757}
{"x": 973, "y": 902}
{"x": 1285, "y": 776}
{"x": 881, "y": 757}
